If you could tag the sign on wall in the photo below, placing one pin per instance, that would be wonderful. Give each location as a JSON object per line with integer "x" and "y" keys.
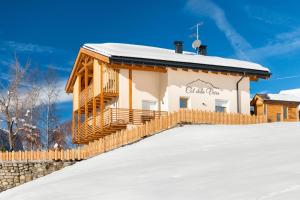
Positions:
{"x": 201, "y": 87}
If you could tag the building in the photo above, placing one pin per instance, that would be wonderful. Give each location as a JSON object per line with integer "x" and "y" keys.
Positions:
{"x": 276, "y": 107}
{"x": 116, "y": 85}
{"x": 294, "y": 92}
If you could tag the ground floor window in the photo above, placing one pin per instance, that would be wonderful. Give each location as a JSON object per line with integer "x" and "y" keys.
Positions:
{"x": 221, "y": 105}
{"x": 149, "y": 105}
{"x": 183, "y": 102}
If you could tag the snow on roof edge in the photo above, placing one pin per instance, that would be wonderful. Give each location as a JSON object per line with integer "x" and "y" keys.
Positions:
{"x": 283, "y": 97}
{"x": 156, "y": 53}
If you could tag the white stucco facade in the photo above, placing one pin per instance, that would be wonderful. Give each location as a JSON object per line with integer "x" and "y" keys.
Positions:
{"x": 203, "y": 91}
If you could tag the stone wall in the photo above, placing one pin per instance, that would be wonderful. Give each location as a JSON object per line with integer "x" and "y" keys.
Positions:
{"x": 16, "y": 173}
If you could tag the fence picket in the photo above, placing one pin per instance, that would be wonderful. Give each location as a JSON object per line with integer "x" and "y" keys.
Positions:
{"x": 133, "y": 134}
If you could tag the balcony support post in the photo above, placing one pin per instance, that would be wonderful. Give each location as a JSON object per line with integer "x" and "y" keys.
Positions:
{"x": 130, "y": 96}
{"x": 78, "y": 135}
{"x": 94, "y": 101}
{"x": 86, "y": 113}
{"x": 101, "y": 95}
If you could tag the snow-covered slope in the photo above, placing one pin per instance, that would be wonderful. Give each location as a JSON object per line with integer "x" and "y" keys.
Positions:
{"x": 192, "y": 162}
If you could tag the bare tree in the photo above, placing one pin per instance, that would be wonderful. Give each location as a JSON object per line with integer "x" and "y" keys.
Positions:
{"x": 12, "y": 102}
{"x": 61, "y": 136}
{"x": 31, "y": 133}
{"x": 51, "y": 94}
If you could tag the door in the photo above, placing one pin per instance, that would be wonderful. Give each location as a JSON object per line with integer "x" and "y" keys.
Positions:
{"x": 278, "y": 116}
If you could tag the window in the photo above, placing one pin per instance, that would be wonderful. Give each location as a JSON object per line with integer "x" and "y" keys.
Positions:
{"x": 149, "y": 105}
{"x": 221, "y": 105}
{"x": 183, "y": 102}
{"x": 285, "y": 112}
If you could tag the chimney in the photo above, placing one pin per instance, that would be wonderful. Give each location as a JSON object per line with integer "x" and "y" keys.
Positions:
{"x": 202, "y": 50}
{"x": 178, "y": 46}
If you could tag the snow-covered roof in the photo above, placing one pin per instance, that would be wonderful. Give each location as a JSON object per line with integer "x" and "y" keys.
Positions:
{"x": 280, "y": 97}
{"x": 295, "y": 92}
{"x": 155, "y": 53}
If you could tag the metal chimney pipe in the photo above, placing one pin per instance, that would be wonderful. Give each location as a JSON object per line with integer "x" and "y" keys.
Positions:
{"x": 202, "y": 50}
{"x": 178, "y": 46}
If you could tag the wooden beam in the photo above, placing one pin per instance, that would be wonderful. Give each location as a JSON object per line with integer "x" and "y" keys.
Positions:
{"x": 130, "y": 94}
{"x": 82, "y": 52}
{"x": 86, "y": 113}
{"x": 138, "y": 67}
{"x": 94, "y": 103}
{"x": 79, "y": 110}
{"x": 95, "y": 55}
{"x": 72, "y": 77}
{"x": 102, "y": 96}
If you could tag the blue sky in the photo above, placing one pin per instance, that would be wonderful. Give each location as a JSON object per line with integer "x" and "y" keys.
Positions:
{"x": 51, "y": 32}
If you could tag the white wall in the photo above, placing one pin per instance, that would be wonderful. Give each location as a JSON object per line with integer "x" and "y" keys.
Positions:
{"x": 123, "y": 88}
{"x": 167, "y": 88}
{"x": 75, "y": 94}
{"x": 145, "y": 86}
{"x": 177, "y": 85}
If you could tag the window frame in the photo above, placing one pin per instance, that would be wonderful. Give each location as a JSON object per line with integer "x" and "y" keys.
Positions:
{"x": 187, "y": 102}
{"x": 225, "y": 108}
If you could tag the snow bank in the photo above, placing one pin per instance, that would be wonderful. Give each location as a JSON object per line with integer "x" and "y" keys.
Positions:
{"x": 192, "y": 162}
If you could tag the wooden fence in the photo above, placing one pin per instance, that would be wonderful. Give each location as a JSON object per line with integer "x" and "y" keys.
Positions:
{"x": 124, "y": 137}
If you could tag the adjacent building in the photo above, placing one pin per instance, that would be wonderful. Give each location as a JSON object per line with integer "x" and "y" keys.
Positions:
{"x": 277, "y": 107}
{"x": 116, "y": 85}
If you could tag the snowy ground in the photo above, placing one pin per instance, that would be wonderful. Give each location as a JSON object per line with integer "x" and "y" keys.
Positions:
{"x": 258, "y": 162}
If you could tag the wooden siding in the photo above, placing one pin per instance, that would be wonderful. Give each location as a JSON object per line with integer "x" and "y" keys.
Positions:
{"x": 293, "y": 113}
{"x": 273, "y": 108}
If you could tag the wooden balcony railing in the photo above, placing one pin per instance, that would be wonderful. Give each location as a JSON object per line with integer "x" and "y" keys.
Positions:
{"x": 111, "y": 81}
{"x": 110, "y": 87}
{"x": 114, "y": 117}
{"x": 134, "y": 116}
{"x": 86, "y": 97}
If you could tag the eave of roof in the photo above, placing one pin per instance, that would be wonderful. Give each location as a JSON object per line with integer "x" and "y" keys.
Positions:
{"x": 166, "y": 63}
{"x": 113, "y": 58}
{"x": 266, "y": 98}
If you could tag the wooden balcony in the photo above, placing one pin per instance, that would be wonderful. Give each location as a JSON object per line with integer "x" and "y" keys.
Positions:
{"x": 110, "y": 91}
{"x": 110, "y": 121}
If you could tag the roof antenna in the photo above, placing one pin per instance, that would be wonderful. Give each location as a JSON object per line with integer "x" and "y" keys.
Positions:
{"x": 197, "y": 43}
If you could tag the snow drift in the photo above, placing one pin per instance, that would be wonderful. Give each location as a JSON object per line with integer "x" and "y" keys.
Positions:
{"x": 191, "y": 162}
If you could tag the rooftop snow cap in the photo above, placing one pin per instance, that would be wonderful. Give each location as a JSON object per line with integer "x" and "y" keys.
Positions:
{"x": 178, "y": 46}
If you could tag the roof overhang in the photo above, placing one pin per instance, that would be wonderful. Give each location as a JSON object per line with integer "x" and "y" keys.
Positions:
{"x": 82, "y": 51}
{"x": 166, "y": 63}
{"x": 257, "y": 97}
